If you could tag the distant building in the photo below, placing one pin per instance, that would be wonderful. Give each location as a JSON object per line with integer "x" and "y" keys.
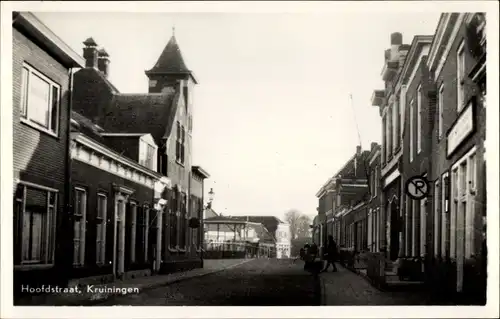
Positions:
{"x": 42, "y": 78}
{"x": 343, "y": 190}
{"x": 283, "y": 241}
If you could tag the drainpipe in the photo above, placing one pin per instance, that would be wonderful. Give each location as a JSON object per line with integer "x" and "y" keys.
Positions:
{"x": 67, "y": 219}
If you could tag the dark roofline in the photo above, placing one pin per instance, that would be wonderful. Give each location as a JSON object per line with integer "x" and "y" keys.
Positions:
{"x": 30, "y": 24}
{"x": 200, "y": 172}
{"x": 190, "y": 73}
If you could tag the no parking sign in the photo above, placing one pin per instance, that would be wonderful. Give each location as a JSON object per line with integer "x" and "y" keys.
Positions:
{"x": 417, "y": 187}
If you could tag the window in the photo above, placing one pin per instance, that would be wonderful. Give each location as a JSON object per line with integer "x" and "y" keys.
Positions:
{"x": 40, "y": 100}
{"x": 454, "y": 210}
{"x": 419, "y": 119}
{"x": 143, "y": 222}
{"x": 173, "y": 219}
{"x": 390, "y": 130}
{"x": 397, "y": 124}
{"x": 147, "y": 155}
{"x": 460, "y": 76}
{"x": 464, "y": 182}
{"x": 445, "y": 227}
{"x": 182, "y": 222}
{"x": 180, "y": 143}
{"x": 162, "y": 163}
{"x": 440, "y": 111}
{"x": 411, "y": 130}
{"x": 133, "y": 230}
{"x": 34, "y": 222}
{"x": 80, "y": 216}
{"x": 150, "y": 153}
{"x": 437, "y": 219}
{"x": 102, "y": 201}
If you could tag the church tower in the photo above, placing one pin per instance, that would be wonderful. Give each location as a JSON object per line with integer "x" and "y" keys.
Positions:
{"x": 170, "y": 73}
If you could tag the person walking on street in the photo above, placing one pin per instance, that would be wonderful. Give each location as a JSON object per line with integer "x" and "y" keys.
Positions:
{"x": 331, "y": 254}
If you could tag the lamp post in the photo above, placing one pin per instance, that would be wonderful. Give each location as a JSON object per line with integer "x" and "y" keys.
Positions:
{"x": 211, "y": 195}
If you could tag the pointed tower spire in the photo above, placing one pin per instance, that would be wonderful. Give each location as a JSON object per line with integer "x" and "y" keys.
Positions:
{"x": 170, "y": 61}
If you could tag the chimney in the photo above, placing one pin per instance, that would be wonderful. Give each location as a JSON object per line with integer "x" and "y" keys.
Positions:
{"x": 103, "y": 62}
{"x": 374, "y": 144}
{"x": 90, "y": 53}
{"x": 396, "y": 41}
{"x": 358, "y": 150}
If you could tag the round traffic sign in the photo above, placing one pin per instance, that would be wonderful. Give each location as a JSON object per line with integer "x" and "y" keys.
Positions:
{"x": 417, "y": 187}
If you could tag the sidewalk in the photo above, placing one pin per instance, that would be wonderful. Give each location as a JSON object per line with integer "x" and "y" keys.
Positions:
{"x": 345, "y": 288}
{"x": 87, "y": 298}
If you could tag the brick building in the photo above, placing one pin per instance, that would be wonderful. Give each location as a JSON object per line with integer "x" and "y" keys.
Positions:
{"x": 458, "y": 167}
{"x": 418, "y": 106}
{"x": 115, "y": 207}
{"x": 388, "y": 100}
{"x": 42, "y": 75}
{"x": 341, "y": 192}
{"x": 166, "y": 113}
{"x": 433, "y": 125}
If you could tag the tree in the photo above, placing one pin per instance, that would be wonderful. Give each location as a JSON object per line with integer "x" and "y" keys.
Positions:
{"x": 299, "y": 223}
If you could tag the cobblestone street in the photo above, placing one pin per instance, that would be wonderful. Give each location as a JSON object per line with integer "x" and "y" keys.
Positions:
{"x": 261, "y": 282}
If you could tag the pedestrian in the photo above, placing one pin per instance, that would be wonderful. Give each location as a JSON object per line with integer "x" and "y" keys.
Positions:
{"x": 331, "y": 254}
{"x": 306, "y": 258}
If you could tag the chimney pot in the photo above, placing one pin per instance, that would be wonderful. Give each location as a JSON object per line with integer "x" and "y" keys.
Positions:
{"x": 103, "y": 62}
{"x": 90, "y": 53}
{"x": 396, "y": 38}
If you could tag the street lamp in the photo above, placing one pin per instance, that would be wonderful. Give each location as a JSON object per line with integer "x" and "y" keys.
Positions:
{"x": 211, "y": 195}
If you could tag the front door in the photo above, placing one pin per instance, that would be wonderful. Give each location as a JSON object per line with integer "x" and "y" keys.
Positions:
{"x": 119, "y": 236}
{"x": 394, "y": 232}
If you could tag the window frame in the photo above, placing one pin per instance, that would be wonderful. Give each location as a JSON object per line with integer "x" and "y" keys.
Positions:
{"x": 412, "y": 106}
{"x": 180, "y": 143}
{"x": 145, "y": 231}
{"x": 437, "y": 217}
{"x": 133, "y": 230}
{"x": 25, "y": 97}
{"x": 82, "y": 216}
{"x": 460, "y": 75}
{"x": 441, "y": 111}
{"x": 419, "y": 119}
{"x": 101, "y": 220}
{"x": 48, "y": 235}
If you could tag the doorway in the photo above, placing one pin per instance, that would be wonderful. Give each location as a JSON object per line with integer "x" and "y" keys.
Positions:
{"x": 394, "y": 229}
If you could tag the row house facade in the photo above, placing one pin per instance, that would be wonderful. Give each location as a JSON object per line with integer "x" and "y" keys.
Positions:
{"x": 457, "y": 67}
{"x": 337, "y": 196}
{"x": 116, "y": 196}
{"x": 388, "y": 100}
{"x": 163, "y": 120}
{"x": 373, "y": 203}
{"x": 42, "y": 73}
{"x": 361, "y": 222}
{"x": 433, "y": 108}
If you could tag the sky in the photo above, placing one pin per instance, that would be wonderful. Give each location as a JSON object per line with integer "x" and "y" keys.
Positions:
{"x": 272, "y": 115}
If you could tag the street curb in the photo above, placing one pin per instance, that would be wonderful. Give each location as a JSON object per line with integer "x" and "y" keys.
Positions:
{"x": 91, "y": 302}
